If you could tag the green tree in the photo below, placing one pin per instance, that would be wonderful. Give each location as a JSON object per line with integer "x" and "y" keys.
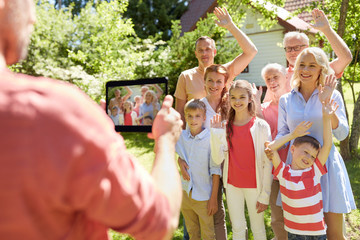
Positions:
{"x": 88, "y": 49}
{"x": 151, "y": 17}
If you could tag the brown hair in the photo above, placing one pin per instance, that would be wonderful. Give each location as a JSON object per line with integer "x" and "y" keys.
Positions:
{"x": 223, "y": 105}
{"x": 243, "y": 84}
{"x": 204, "y": 38}
{"x": 307, "y": 139}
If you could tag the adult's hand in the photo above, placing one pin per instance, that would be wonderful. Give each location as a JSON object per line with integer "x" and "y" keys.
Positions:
{"x": 167, "y": 122}
{"x": 261, "y": 207}
{"x": 224, "y": 18}
{"x": 320, "y": 20}
{"x": 327, "y": 90}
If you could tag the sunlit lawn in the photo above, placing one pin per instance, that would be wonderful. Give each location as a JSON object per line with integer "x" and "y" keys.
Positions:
{"x": 142, "y": 147}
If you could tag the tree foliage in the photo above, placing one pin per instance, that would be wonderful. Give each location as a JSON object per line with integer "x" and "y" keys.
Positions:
{"x": 151, "y": 17}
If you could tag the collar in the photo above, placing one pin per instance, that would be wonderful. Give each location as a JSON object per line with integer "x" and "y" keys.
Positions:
{"x": 296, "y": 90}
{"x": 290, "y": 68}
{"x": 200, "y": 136}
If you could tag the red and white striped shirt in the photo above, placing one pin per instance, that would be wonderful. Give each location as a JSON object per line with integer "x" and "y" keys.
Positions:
{"x": 302, "y": 198}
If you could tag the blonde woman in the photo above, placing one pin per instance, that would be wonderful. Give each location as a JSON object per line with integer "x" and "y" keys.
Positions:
{"x": 304, "y": 103}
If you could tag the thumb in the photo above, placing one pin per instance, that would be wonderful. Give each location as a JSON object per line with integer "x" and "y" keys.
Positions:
{"x": 168, "y": 101}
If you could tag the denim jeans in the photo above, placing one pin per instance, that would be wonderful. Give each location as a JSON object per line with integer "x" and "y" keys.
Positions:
{"x": 292, "y": 236}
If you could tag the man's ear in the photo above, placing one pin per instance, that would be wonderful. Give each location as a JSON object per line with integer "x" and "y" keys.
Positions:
{"x": 215, "y": 51}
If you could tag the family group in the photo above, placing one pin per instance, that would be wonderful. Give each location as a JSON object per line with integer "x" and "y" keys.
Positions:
{"x": 141, "y": 111}
{"x": 278, "y": 152}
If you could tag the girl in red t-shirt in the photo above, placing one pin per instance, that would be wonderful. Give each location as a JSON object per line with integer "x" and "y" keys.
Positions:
{"x": 129, "y": 115}
{"x": 247, "y": 172}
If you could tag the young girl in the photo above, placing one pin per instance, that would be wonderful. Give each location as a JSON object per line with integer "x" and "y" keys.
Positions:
{"x": 129, "y": 114}
{"x": 247, "y": 171}
{"x": 304, "y": 103}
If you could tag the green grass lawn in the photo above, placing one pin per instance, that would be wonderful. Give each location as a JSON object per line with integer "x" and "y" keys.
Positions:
{"x": 143, "y": 150}
{"x": 142, "y": 147}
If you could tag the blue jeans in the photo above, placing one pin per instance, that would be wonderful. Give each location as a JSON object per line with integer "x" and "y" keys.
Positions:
{"x": 292, "y": 236}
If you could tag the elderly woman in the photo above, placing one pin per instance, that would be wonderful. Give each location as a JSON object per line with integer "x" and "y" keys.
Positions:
{"x": 274, "y": 76}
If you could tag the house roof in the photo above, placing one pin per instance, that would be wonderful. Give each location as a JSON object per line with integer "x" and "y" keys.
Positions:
{"x": 292, "y": 5}
{"x": 196, "y": 9}
{"x": 199, "y": 8}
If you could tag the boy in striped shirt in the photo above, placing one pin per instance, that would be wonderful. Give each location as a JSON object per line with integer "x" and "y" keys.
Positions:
{"x": 300, "y": 181}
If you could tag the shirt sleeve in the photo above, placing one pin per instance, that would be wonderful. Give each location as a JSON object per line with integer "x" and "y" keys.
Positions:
{"x": 218, "y": 145}
{"x": 342, "y": 131}
{"x": 283, "y": 127}
{"x": 180, "y": 91}
{"x": 179, "y": 147}
{"x": 215, "y": 169}
{"x": 279, "y": 170}
{"x": 267, "y": 165}
{"x": 141, "y": 110}
{"x": 320, "y": 169}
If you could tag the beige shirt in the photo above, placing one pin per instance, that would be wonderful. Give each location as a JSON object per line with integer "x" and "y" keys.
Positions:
{"x": 190, "y": 85}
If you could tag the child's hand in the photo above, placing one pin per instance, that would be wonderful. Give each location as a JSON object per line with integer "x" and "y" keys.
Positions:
{"x": 261, "y": 207}
{"x": 329, "y": 108}
{"x": 326, "y": 91}
{"x": 257, "y": 93}
{"x": 301, "y": 129}
{"x": 212, "y": 206}
{"x": 215, "y": 122}
{"x": 183, "y": 169}
{"x": 268, "y": 151}
{"x": 223, "y": 17}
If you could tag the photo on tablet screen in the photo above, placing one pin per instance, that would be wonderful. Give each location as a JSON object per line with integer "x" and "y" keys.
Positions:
{"x": 133, "y": 104}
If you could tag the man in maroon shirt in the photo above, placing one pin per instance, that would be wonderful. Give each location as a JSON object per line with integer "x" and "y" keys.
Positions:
{"x": 64, "y": 172}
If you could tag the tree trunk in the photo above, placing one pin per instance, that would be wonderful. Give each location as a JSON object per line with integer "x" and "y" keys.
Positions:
{"x": 344, "y": 145}
{"x": 60, "y": 3}
{"x": 355, "y": 128}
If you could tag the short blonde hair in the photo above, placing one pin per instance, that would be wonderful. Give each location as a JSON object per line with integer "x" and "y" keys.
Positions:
{"x": 320, "y": 58}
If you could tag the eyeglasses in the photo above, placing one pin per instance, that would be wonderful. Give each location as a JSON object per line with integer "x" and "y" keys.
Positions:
{"x": 295, "y": 48}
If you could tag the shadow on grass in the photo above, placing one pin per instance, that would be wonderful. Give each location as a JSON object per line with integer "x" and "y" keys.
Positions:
{"x": 138, "y": 140}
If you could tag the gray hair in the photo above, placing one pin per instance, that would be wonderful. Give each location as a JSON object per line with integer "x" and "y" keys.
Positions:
{"x": 275, "y": 66}
{"x": 297, "y": 35}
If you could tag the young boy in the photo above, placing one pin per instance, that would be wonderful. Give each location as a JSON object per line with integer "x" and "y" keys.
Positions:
{"x": 115, "y": 115}
{"x": 300, "y": 182}
{"x": 199, "y": 202}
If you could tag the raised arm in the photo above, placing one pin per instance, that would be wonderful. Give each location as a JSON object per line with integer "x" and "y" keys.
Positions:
{"x": 129, "y": 93}
{"x": 236, "y": 66}
{"x": 340, "y": 48}
{"x": 300, "y": 130}
{"x": 328, "y": 109}
{"x": 158, "y": 91}
{"x": 166, "y": 131}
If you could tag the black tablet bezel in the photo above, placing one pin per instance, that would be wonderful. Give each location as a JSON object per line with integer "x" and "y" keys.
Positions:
{"x": 122, "y": 83}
